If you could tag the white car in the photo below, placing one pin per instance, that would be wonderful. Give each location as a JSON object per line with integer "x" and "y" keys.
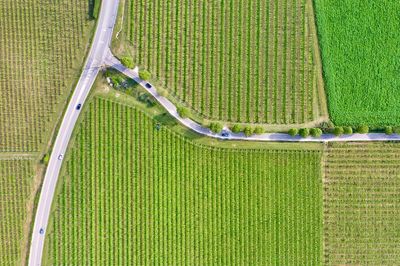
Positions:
{"x": 60, "y": 157}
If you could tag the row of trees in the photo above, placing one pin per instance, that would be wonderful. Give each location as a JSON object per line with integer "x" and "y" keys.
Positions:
{"x": 338, "y": 131}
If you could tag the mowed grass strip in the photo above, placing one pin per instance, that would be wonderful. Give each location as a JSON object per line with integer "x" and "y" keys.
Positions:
{"x": 135, "y": 195}
{"x": 16, "y": 176}
{"x": 228, "y": 60}
{"x": 362, "y": 204}
{"x": 360, "y": 51}
{"x": 42, "y": 44}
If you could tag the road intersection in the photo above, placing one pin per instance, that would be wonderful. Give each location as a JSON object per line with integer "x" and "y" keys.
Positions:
{"x": 100, "y": 55}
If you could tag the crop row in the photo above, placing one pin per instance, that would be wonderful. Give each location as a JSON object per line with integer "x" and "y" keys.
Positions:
{"x": 133, "y": 194}
{"x": 230, "y": 60}
{"x": 39, "y": 45}
{"x": 361, "y": 204}
{"x": 15, "y": 181}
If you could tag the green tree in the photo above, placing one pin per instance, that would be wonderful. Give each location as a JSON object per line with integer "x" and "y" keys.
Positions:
{"x": 248, "y": 131}
{"x": 46, "y": 159}
{"x": 338, "y": 131}
{"x": 348, "y": 130}
{"x": 316, "y": 132}
{"x": 183, "y": 112}
{"x": 396, "y": 130}
{"x": 216, "y": 127}
{"x": 363, "y": 129}
{"x": 236, "y": 128}
{"x": 304, "y": 132}
{"x": 144, "y": 75}
{"x": 259, "y": 130}
{"x": 388, "y": 130}
{"x": 127, "y": 61}
{"x": 293, "y": 132}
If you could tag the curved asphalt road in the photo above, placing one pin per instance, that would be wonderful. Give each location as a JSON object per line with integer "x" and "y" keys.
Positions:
{"x": 100, "y": 54}
{"x": 100, "y": 44}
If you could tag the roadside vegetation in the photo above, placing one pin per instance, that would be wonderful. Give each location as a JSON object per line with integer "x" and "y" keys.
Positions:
{"x": 360, "y": 58}
{"x": 362, "y": 204}
{"x": 135, "y": 192}
{"x": 236, "y": 61}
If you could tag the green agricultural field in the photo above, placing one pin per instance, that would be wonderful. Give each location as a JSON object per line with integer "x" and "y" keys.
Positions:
{"x": 16, "y": 176}
{"x": 131, "y": 194}
{"x": 42, "y": 44}
{"x": 231, "y": 60}
{"x": 360, "y": 51}
{"x": 362, "y": 204}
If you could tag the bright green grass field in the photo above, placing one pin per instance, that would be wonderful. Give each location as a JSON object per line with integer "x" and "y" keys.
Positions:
{"x": 135, "y": 195}
{"x": 360, "y": 51}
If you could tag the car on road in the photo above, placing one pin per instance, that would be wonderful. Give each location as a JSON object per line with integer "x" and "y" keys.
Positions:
{"x": 60, "y": 157}
{"x": 78, "y": 107}
{"x": 41, "y": 231}
{"x": 225, "y": 133}
{"x": 148, "y": 85}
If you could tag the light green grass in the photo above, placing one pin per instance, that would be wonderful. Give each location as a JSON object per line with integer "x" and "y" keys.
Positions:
{"x": 362, "y": 204}
{"x": 134, "y": 195}
{"x": 236, "y": 61}
{"x": 16, "y": 176}
{"x": 360, "y": 52}
{"x": 42, "y": 47}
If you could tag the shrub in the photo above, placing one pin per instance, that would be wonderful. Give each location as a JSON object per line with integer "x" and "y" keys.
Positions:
{"x": 216, "y": 127}
{"x": 304, "y": 132}
{"x": 259, "y": 130}
{"x": 338, "y": 131}
{"x": 326, "y": 126}
{"x": 163, "y": 93}
{"x": 127, "y": 61}
{"x": 248, "y": 131}
{"x": 363, "y": 129}
{"x": 316, "y": 132}
{"x": 236, "y": 128}
{"x": 46, "y": 159}
{"x": 293, "y": 132}
{"x": 183, "y": 112}
{"x": 388, "y": 130}
{"x": 144, "y": 75}
{"x": 348, "y": 130}
{"x": 396, "y": 130}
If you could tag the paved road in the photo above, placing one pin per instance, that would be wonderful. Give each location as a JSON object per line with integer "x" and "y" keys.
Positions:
{"x": 110, "y": 60}
{"x": 98, "y": 51}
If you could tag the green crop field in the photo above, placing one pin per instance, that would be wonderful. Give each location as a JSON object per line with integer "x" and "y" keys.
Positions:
{"x": 42, "y": 44}
{"x": 232, "y": 60}
{"x": 133, "y": 195}
{"x": 16, "y": 176}
{"x": 362, "y": 204}
{"x": 360, "y": 54}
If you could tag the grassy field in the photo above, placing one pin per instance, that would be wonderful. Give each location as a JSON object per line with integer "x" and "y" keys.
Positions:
{"x": 360, "y": 58}
{"x": 16, "y": 176}
{"x": 362, "y": 204}
{"x": 241, "y": 61}
{"x": 42, "y": 46}
{"x": 132, "y": 194}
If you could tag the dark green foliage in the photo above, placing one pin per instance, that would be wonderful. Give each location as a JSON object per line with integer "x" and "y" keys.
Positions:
{"x": 127, "y": 61}
{"x": 259, "y": 130}
{"x": 338, "y": 131}
{"x": 396, "y": 130}
{"x": 363, "y": 129}
{"x": 388, "y": 130}
{"x": 316, "y": 132}
{"x": 216, "y": 127}
{"x": 304, "y": 132}
{"x": 348, "y": 130}
{"x": 248, "y": 131}
{"x": 236, "y": 128}
{"x": 293, "y": 132}
{"x": 144, "y": 75}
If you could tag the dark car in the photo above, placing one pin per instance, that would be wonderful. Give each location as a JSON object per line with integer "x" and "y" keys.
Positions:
{"x": 78, "y": 107}
{"x": 41, "y": 231}
{"x": 225, "y": 134}
{"x": 148, "y": 85}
